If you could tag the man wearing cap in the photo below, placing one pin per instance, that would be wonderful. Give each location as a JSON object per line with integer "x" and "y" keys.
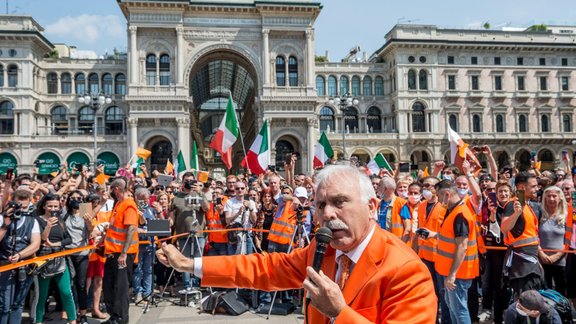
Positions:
{"x": 531, "y": 308}
{"x": 284, "y": 222}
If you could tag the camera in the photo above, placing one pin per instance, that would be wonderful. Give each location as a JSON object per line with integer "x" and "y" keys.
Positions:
{"x": 300, "y": 213}
{"x": 423, "y": 233}
{"x": 17, "y": 211}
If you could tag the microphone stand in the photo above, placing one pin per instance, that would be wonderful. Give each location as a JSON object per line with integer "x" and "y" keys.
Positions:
{"x": 299, "y": 233}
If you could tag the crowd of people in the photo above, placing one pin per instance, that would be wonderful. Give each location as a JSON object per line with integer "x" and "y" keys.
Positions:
{"x": 484, "y": 238}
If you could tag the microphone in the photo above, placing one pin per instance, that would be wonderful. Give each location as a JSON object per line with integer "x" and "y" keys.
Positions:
{"x": 323, "y": 237}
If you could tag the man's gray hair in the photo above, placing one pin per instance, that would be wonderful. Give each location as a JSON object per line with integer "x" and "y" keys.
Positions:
{"x": 387, "y": 183}
{"x": 118, "y": 183}
{"x": 142, "y": 192}
{"x": 366, "y": 189}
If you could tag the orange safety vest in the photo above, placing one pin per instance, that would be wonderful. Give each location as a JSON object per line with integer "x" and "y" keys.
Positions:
{"x": 427, "y": 247}
{"x": 478, "y": 218}
{"x": 283, "y": 225}
{"x": 470, "y": 267}
{"x": 530, "y": 234}
{"x": 397, "y": 227}
{"x": 101, "y": 217}
{"x": 116, "y": 233}
{"x": 213, "y": 222}
{"x": 568, "y": 227}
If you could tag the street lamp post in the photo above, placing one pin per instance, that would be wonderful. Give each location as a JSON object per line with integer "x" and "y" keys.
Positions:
{"x": 343, "y": 102}
{"x": 95, "y": 102}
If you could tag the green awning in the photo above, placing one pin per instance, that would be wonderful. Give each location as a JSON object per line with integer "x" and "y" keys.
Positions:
{"x": 111, "y": 162}
{"x": 7, "y": 161}
{"x": 77, "y": 158}
{"x": 47, "y": 163}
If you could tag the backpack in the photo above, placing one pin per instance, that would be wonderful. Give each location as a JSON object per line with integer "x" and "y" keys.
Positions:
{"x": 561, "y": 304}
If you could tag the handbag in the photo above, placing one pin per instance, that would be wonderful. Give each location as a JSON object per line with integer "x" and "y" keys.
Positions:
{"x": 233, "y": 235}
{"x": 53, "y": 266}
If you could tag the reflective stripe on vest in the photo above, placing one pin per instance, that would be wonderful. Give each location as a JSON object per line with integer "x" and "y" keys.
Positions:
{"x": 213, "y": 222}
{"x": 427, "y": 247}
{"x": 397, "y": 226}
{"x": 115, "y": 236}
{"x": 445, "y": 254}
{"x": 283, "y": 225}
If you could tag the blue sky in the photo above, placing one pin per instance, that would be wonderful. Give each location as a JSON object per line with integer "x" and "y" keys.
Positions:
{"x": 99, "y": 25}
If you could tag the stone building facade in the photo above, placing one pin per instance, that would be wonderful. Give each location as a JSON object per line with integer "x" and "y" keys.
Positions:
{"x": 513, "y": 90}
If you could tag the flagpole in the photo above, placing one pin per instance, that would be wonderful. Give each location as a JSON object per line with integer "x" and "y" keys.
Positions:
{"x": 240, "y": 133}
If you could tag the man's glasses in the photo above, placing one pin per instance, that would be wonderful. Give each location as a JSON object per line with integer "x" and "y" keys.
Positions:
{"x": 76, "y": 198}
{"x": 240, "y": 188}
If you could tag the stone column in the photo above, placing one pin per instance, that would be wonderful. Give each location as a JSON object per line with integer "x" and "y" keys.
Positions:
{"x": 133, "y": 122}
{"x": 310, "y": 62}
{"x": 179, "y": 55}
{"x": 184, "y": 138}
{"x": 311, "y": 139}
{"x": 266, "y": 56}
{"x": 133, "y": 55}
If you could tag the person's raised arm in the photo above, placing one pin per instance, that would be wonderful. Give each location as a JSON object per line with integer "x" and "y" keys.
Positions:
{"x": 438, "y": 167}
{"x": 509, "y": 222}
{"x": 472, "y": 185}
{"x": 491, "y": 161}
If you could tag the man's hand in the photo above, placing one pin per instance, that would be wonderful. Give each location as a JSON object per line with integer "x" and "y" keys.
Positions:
{"x": 14, "y": 258}
{"x": 169, "y": 256}
{"x": 439, "y": 165}
{"x": 518, "y": 209}
{"x": 122, "y": 260}
{"x": 450, "y": 282}
{"x": 325, "y": 294}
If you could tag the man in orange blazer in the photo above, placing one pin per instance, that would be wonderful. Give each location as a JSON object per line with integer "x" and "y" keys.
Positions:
{"x": 387, "y": 282}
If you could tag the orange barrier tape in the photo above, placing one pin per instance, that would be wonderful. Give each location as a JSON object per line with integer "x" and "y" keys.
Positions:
{"x": 45, "y": 257}
{"x": 503, "y": 248}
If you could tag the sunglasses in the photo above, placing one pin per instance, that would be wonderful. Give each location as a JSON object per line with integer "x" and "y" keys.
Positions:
{"x": 240, "y": 188}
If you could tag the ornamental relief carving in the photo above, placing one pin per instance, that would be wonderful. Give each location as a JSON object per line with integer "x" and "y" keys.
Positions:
{"x": 220, "y": 34}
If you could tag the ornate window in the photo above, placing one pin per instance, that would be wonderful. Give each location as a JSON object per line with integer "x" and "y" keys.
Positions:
{"x": 567, "y": 123}
{"x": 280, "y": 71}
{"x": 93, "y": 85}
{"x": 151, "y": 69}
{"x": 107, "y": 84}
{"x": 164, "y": 69}
{"x": 545, "y": 123}
{"x": 356, "y": 86}
{"x": 120, "y": 84}
{"x": 418, "y": 117}
{"x": 320, "y": 86}
{"x": 59, "y": 120}
{"x": 52, "y": 82}
{"x": 374, "y": 120}
{"x": 326, "y": 119}
{"x": 367, "y": 85}
{"x": 6, "y": 118}
{"x": 476, "y": 123}
{"x": 114, "y": 121}
{"x": 85, "y": 120}
{"x": 344, "y": 87}
{"x": 453, "y": 122}
{"x": 293, "y": 71}
{"x": 332, "y": 86}
{"x": 1, "y": 75}
{"x": 522, "y": 124}
{"x": 12, "y": 76}
{"x": 500, "y": 123}
{"x": 411, "y": 80}
{"x": 379, "y": 86}
{"x": 80, "y": 82}
{"x": 66, "y": 83}
{"x": 351, "y": 120}
{"x": 423, "y": 80}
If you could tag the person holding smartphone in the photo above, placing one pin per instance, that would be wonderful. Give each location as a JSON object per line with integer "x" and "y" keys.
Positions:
{"x": 217, "y": 241}
{"x": 240, "y": 212}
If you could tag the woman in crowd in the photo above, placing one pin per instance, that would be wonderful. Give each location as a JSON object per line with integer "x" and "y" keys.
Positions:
{"x": 97, "y": 259}
{"x": 265, "y": 218}
{"x": 551, "y": 231}
{"x": 142, "y": 280}
{"x": 79, "y": 227}
{"x": 54, "y": 239}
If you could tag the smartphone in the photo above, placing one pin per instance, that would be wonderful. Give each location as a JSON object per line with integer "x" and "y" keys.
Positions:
{"x": 135, "y": 171}
{"x": 288, "y": 158}
{"x": 404, "y": 167}
{"x": 493, "y": 199}
{"x": 521, "y": 197}
{"x": 152, "y": 199}
{"x": 246, "y": 197}
{"x": 272, "y": 168}
{"x": 79, "y": 167}
{"x": 218, "y": 200}
{"x": 9, "y": 173}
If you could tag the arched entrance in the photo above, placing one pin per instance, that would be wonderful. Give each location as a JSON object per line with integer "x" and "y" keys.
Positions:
{"x": 547, "y": 158}
{"x": 162, "y": 151}
{"x": 419, "y": 159}
{"x": 502, "y": 159}
{"x": 362, "y": 157}
{"x": 287, "y": 145}
{"x": 523, "y": 160}
{"x": 214, "y": 78}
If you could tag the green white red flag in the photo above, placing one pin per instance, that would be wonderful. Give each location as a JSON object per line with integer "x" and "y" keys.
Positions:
{"x": 258, "y": 157}
{"x": 227, "y": 134}
{"x": 323, "y": 152}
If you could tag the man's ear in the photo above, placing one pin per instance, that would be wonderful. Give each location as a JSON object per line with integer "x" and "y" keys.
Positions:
{"x": 373, "y": 204}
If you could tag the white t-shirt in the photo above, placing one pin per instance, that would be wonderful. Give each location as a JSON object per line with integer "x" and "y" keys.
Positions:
{"x": 234, "y": 204}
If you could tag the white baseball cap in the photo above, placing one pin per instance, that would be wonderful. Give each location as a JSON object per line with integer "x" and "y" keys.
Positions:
{"x": 300, "y": 192}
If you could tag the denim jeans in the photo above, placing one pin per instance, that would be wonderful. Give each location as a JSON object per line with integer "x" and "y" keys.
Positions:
{"x": 457, "y": 301}
{"x": 218, "y": 249}
{"x": 438, "y": 281}
{"x": 12, "y": 288}
{"x": 186, "y": 249}
{"x": 236, "y": 248}
{"x": 143, "y": 275}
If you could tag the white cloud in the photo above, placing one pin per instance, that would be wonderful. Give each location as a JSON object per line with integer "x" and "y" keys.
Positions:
{"x": 87, "y": 29}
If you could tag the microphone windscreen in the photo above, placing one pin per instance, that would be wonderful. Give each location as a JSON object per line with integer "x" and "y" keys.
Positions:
{"x": 323, "y": 235}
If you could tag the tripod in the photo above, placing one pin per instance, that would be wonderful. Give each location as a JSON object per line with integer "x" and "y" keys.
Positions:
{"x": 299, "y": 236}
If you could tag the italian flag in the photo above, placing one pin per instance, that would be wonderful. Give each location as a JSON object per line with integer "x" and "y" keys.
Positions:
{"x": 258, "y": 158}
{"x": 227, "y": 134}
{"x": 323, "y": 152}
{"x": 194, "y": 159}
{"x": 378, "y": 163}
{"x": 180, "y": 165}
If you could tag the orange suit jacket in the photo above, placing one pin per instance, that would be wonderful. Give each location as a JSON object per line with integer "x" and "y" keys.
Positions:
{"x": 389, "y": 284}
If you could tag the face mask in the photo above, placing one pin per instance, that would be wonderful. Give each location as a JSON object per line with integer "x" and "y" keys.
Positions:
{"x": 427, "y": 194}
{"x": 447, "y": 177}
{"x": 74, "y": 204}
{"x": 414, "y": 199}
{"x": 403, "y": 194}
{"x": 520, "y": 312}
{"x": 462, "y": 192}
{"x": 142, "y": 204}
